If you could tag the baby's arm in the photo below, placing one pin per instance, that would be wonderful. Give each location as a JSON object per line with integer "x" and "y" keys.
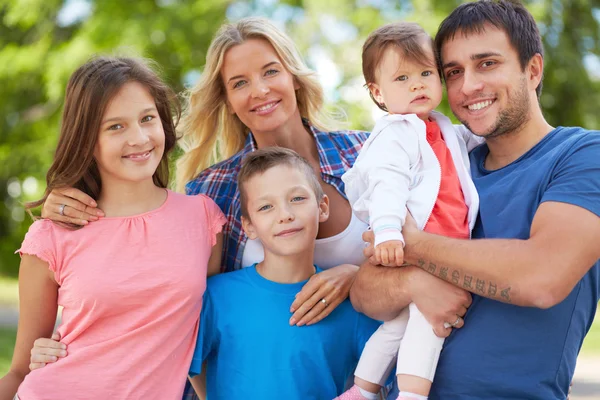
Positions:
{"x": 38, "y": 294}
{"x": 388, "y": 173}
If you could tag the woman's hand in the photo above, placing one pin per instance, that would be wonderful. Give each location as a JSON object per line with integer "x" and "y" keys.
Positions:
{"x": 332, "y": 286}
{"x": 46, "y": 351}
{"x": 77, "y": 207}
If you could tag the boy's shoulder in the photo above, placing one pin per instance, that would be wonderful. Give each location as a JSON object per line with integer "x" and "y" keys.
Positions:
{"x": 229, "y": 281}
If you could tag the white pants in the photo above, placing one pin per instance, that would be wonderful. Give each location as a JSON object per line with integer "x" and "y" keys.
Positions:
{"x": 410, "y": 339}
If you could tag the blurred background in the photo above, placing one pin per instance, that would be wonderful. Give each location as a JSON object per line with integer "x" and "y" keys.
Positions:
{"x": 43, "y": 41}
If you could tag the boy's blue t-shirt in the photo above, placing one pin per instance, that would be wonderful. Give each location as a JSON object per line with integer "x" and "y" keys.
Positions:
{"x": 510, "y": 352}
{"x": 253, "y": 353}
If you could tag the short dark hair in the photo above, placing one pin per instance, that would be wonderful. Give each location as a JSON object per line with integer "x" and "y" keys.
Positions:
{"x": 262, "y": 160}
{"x": 511, "y": 16}
{"x": 408, "y": 37}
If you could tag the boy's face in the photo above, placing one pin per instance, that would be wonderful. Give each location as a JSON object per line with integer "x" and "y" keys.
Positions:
{"x": 406, "y": 87}
{"x": 283, "y": 211}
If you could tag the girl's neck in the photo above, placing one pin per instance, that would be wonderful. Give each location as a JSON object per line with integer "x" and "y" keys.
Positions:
{"x": 293, "y": 135}
{"x": 287, "y": 269}
{"x": 123, "y": 199}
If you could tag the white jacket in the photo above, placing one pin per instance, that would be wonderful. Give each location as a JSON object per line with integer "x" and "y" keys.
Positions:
{"x": 397, "y": 169}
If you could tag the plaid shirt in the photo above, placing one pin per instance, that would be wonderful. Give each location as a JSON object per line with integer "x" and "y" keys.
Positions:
{"x": 337, "y": 152}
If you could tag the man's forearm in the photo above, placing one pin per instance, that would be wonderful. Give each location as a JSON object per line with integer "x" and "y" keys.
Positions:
{"x": 539, "y": 271}
{"x": 489, "y": 268}
{"x": 380, "y": 292}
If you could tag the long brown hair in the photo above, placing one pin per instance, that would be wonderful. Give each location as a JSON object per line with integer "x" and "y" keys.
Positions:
{"x": 89, "y": 91}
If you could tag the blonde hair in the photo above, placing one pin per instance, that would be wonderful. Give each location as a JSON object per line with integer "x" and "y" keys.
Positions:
{"x": 211, "y": 133}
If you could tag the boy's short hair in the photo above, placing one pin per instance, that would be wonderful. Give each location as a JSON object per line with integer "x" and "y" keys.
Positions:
{"x": 262, "y": 160}
{"x": 510, "y": 16}
{"x": 408, "y": 37}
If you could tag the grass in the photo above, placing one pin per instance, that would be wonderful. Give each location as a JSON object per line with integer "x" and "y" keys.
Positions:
{"x": 591, "y": 344}
{"x": 7, "y": 343}
{"x": 9, "y": 292}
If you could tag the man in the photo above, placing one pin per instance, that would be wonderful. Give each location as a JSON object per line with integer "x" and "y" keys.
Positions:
{"x": 535, "y": 278}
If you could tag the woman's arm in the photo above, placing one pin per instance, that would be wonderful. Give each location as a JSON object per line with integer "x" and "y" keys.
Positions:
{"x": 199, "y": 383}
{"x": 332, "y": 285}
{"x": 38, "y": 296}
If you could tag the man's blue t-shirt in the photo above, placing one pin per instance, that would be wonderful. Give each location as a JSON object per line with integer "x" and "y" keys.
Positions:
{"x": 510, "y": 352}
{"x": 253, "y": 353}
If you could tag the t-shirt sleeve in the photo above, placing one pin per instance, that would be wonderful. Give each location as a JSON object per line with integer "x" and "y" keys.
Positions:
{"x": 207, "y": 335}
{"x": 576, "y": 178}
{"x": 214, "y": 217}
{"x": 40, "y": 241}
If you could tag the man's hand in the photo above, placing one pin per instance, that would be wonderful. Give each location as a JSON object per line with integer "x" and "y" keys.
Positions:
{"x": 443, "y": 304}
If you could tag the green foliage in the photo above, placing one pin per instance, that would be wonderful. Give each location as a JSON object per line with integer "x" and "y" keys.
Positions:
{"x": 39, "y": 49}
{"x": 7, "y": 344}
{"x": 37, "y": 56}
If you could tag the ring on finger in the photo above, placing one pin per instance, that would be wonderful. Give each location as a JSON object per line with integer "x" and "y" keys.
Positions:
{"x": 61, "y": 209}
{"x": 455, "y": 322}
{"x": 324, "y": 301}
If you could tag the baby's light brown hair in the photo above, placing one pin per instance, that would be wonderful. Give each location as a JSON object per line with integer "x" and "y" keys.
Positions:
{"x": 262, "y": 160}
{"x": 408, "y": 37}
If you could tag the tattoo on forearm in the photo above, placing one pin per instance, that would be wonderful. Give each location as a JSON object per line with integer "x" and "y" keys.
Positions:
{"x": 469, "y": 282}
{"x": 455, "y": 277}
{"x": 431, "y": 268}
{"x": 444, "y": 273}
{"x": 480, "y": 285}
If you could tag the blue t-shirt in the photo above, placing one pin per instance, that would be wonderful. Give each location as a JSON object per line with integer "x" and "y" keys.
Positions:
{"x": 510, "y": 352}
{"x": 253, "y": 353}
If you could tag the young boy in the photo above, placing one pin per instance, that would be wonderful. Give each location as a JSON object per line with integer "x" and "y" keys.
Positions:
{"x": 250, "y": 350}
{"x": 415, "y": 159}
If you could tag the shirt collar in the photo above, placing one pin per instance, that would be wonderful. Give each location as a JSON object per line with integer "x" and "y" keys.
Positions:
{"x": 330, "y": 161}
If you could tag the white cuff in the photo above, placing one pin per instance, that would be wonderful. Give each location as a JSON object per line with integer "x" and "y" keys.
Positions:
{"x": 386, "y": 235}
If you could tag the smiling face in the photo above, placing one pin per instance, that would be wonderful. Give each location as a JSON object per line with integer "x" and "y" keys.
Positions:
{"x": 131, "y": 140}
{"x": 488, "y": 90}
{"x": 283, "y": 211}
{"x": 259, "y": 90}
{"x": 407, "y": 87}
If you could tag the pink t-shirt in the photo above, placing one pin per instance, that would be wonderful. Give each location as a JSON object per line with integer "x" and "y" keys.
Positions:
{"x": 131, "y": 288}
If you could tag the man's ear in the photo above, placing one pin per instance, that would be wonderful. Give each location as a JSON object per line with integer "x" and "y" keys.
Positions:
{"x": 535, "y": 71}
{"x": 249, "y": 228}
{"x": 324, "y": 209}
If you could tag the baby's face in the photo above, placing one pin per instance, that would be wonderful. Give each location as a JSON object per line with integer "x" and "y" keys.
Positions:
{"x": 407, "y": 87}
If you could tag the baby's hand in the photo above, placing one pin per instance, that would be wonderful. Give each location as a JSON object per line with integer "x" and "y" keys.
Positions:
{"x": 390, "y": 253}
